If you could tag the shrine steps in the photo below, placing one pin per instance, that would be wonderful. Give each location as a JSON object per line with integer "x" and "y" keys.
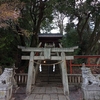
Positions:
{"x": 48, "y": 76}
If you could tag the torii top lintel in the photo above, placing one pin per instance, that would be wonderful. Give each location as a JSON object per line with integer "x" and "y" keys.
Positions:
{"x": 47, "y": 53}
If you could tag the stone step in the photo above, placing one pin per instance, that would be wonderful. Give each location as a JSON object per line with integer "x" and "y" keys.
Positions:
{"x": 58, "y": 77}
{"x": 50, "y": 74}
{"x": 50, "y": 79}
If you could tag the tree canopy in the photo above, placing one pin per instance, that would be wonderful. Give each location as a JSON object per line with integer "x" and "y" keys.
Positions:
{"x": 84, "y": 20}
{"x": 23, "y": 20}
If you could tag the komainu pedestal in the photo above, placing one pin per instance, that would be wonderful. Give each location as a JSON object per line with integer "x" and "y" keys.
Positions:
{"x": 90, "y": 85}
{"x": 6, "y": 84}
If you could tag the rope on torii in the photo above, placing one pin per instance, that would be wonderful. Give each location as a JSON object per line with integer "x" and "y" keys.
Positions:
{"x": 49, "y": 64}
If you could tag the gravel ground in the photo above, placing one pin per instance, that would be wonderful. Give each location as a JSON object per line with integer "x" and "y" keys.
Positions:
{"x": 75, "y": 94}
{"x": 20, "y": 94}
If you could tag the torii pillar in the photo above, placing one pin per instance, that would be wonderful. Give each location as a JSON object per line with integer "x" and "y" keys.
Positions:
{"x": 30, "y": 73}
{"x": 64, "y": 75}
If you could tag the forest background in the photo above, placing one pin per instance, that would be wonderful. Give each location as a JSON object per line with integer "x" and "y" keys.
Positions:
{"x": 22, "y": 20}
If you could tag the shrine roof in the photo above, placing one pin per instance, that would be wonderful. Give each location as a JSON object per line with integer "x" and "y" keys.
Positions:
{"x": 50, "y": 38}
{"x": 50, "y": 35}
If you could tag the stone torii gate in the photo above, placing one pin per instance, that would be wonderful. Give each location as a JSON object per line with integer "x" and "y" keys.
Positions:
{"x": 46, "y": 55}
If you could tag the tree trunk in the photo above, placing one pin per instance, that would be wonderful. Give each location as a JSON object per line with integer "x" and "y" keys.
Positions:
{"x": 34, "y": 40}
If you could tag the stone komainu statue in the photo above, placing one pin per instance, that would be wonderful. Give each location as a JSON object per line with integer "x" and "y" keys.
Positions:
{"x": 90, "y": 85}
{"x": 88, "y": 77}
{"x": 6, "y": 84}
{"x": 6, "y": 76}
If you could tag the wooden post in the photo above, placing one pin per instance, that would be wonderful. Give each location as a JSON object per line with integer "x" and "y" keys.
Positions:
{"x": 30, "y": 73}
{"x": 34, "y": 76}
{"x": 64, "y": 75}
{"x": 47, "y": 53}
{"x": 71, "y": 67}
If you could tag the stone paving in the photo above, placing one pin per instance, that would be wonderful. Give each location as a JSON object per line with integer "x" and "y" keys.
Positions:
{"x": 52, "y": 94}
{"x": 47, "y": 93}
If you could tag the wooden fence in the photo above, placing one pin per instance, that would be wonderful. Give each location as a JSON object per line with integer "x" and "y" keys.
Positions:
{"x": 21, "y": 78}
{"x": 89, "y": 60}
{"x": 74, "y": 78}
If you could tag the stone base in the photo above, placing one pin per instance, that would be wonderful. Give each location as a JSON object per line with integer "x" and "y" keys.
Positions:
{"x": 91, "y": 92}
{"x": 5, "y": 92}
